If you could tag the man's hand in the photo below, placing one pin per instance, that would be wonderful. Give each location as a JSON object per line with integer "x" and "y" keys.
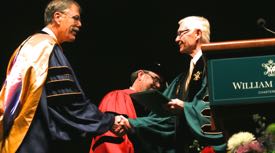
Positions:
{"x": 118, "y": 127}
{"x": 175, "y": 106}
{"x": 125, "y": 123}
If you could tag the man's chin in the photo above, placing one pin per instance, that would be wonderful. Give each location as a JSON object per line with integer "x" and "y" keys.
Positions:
{"x": 181, "y": 52}
{"x": 71, "y": 40}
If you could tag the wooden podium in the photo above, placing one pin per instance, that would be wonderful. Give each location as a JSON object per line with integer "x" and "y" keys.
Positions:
{"x": 241, "y": 80}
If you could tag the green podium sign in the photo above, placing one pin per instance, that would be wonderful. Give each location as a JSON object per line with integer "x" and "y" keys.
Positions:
{"x": 243, "y": 80}
{"x": 241, "y": 83}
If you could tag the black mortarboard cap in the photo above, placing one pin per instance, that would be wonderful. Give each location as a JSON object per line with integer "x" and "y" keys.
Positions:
{"x": 155, "y": 67}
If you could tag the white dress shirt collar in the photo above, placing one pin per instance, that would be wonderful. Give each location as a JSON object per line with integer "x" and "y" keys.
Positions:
{"x": 196, "y": 57}
{"x": 49, "y": 31}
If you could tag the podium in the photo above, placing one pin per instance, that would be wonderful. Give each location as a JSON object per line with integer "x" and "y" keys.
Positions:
{"x": 241, "y": 81}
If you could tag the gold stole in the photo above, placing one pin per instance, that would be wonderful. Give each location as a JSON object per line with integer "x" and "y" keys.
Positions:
{"x": 34, "y": 54}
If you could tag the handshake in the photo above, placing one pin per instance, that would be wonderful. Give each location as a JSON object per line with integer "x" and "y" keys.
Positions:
{"x": 121, "y": 126}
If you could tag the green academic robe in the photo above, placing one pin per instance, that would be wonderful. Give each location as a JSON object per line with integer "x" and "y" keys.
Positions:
{"x": 177, "y": 133}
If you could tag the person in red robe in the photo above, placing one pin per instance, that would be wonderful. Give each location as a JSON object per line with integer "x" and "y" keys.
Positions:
{"x": 120, "y": 102}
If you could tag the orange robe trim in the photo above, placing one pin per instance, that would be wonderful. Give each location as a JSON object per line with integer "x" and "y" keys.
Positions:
{"x": 32, "y": 57}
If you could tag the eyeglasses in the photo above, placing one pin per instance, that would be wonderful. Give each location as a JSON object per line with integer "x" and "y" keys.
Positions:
{"x": 76, "y": 18}
{"x": 182, "y": 32}
{"x": 155, "y": 78}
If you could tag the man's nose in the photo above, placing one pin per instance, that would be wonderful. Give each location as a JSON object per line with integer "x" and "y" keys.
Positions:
{"x": 177, "y": 39}
{"x": 156, "y": 85}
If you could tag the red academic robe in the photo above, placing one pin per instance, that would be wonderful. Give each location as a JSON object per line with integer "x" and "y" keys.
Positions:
{"x": 119, "y": 102}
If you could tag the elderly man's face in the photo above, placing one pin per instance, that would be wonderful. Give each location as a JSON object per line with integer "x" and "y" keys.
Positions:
{"x": 186, "y": 38}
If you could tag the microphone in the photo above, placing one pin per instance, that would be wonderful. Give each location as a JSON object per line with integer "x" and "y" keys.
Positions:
{"x": 261, "y": 22}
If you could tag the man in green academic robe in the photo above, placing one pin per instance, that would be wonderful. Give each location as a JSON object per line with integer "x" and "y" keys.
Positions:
{"x": 189, "y": 102}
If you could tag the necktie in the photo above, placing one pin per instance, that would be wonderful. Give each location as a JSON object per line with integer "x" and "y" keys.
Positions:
{"x": 191, "y": 67}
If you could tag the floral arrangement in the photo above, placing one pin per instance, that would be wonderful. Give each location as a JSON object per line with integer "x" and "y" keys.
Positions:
{"x": 268, "y": 139}
{"x": 266, "y": 133}
{"x": 251, "y": 147}
{"x": 244, "y": 142}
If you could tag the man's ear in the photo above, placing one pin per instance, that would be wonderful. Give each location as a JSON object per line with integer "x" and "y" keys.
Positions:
{"x": 198, "y": 34}
{"x": 140, "y": 74}
{"x": 57, "y": 16}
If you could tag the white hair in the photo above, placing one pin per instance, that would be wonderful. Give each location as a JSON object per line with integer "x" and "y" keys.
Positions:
{"x": 198, "y": 22}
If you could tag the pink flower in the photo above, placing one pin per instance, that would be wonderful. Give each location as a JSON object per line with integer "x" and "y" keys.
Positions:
{"x": 251, "y": 147}
{"x": 208, "y": 149}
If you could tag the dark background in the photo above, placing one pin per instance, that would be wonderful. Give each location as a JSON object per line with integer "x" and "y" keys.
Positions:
{"x": 119, "y": 34}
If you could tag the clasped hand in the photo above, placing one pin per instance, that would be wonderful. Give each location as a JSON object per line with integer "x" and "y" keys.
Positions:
{"x": 121, "y": 125}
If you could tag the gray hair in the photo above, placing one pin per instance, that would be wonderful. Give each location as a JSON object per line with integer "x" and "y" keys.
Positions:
{"x": 57, "y": 6}
{"x": 198, "y": 22}
{"x": 134, "y": 75}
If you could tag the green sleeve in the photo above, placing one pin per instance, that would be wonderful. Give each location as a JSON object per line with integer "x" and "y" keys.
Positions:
{"x": 154, "y": 134}
{"x": 197, "y": 120}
